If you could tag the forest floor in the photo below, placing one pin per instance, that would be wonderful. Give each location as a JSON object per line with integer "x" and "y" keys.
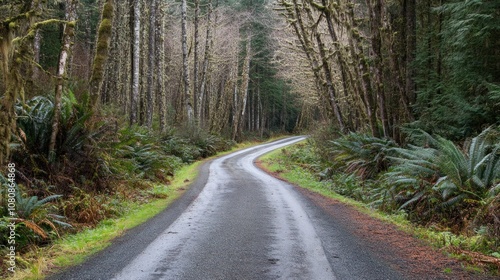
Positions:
{"x": 401, "y": 249}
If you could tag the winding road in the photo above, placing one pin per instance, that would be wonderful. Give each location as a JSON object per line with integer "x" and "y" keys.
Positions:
{"x": 237, "y": 222}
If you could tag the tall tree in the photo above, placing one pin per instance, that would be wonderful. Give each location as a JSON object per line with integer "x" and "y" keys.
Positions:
{"x": 152, "y": 56}
{"x": 101, "y": 53}
{"x": 136, "y": 55}
{"x": 245, "y": 79}
{"x": 17, "y": 31}
{"x": 208, "y": 42}
{"x": 185, "y": 64}
{"x": 196, "y": 59}
{"x": 375, "y": 14}
{"x": 160, "y": 50}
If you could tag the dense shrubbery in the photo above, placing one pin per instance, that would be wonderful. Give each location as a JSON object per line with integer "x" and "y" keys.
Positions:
{"x": 431, "y": 179}
{"x": 96, "y": 167}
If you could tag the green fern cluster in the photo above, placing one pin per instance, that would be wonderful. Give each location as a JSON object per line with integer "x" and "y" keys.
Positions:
{"x": 446, "y": 177}
{"x": 432, "y": 180}
{"x": 148, "y": 155}
{"x": 36, "y": 221}
{"x": 363, "y": 155}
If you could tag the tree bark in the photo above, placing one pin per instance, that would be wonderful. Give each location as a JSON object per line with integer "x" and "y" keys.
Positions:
{"x": 136, "y": 55}
{"x": 375, "y": 10}
{"x": 152, "y": 56}
{"x": 332, "y": 93}
{"x": 37, "y": 42}
{"x": 205, "y": 62}
{"x": 101, "y": 54}
{"x": 160, "y": 49}
{"x": 16, "y": 25}
{"x": 185, "y": 64}
{"x": 411, "y": 48}
{"x": 196, "y": 38}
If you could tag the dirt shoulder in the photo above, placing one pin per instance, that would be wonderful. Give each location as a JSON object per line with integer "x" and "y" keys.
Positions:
{"x": 402, "y": 251}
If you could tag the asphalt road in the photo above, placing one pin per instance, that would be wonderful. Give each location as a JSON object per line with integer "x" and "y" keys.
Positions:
{"x": 237, "y": 222}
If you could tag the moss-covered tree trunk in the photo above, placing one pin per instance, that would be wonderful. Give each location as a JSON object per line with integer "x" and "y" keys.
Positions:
{"x": 101, "y": 54}
{"x": 17, "y": 30}
{"x": 375, "y": 12}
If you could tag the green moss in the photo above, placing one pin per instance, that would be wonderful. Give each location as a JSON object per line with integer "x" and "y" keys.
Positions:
{"x": 105, "y": 28}
{"x": 102, "y": 45}
{"x": 107, "y": 11}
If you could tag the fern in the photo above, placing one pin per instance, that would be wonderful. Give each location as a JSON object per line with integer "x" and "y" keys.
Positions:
{"x": 456, "y": 174}
{"x": 361, "y": 154}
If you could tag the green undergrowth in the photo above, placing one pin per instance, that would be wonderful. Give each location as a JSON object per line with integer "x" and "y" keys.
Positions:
{"x": 300, "y": 165}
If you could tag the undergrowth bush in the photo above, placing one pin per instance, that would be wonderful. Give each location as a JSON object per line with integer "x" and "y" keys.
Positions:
{"x": 76, "y": 159}
{"x": 434, "y": 181}
{"x": 363, "y": 155}
{"x": 455, "y": 185}
{"x": 37, "y": 221}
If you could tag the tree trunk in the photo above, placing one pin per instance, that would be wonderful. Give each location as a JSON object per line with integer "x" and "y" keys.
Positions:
{"x": 197, "y": 102}
{"x": 300, "y": 28}
{"x": 205, "y": 61}
{"x": 136, "y": 55}
{"x": 12, "y": 60}
{"x": 362, "y": 72}
{"x": 68, "y": 35}
{"x": 160, "y": 49}
{"x": 152, "y": 57}
{"x": 101, "y": 54}
{"x": 411, "y": 48}
{"x": 185, "y": 64}
{"x": 375, "y": 9}
{"x": 245, "y": 75}
{"x": 332, "y": 94}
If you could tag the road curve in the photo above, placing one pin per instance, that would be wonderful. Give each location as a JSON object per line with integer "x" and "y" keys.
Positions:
{"x": 237, "y": 222}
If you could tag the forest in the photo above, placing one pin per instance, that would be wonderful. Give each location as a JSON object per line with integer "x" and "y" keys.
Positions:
{"x": 101, "y": 100}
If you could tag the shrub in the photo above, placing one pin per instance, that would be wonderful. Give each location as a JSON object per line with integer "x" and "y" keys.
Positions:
{"x": 76, "y": 159}
{"x": 139, "y": 152}
{"x": 451, "y": 181}
{"x": 363, "y": 155}
{"x": 36, "y": 219}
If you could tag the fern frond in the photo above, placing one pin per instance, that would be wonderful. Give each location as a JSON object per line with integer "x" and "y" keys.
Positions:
{"x": 34, "y": 227}
{"x": 414, "y": 199}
